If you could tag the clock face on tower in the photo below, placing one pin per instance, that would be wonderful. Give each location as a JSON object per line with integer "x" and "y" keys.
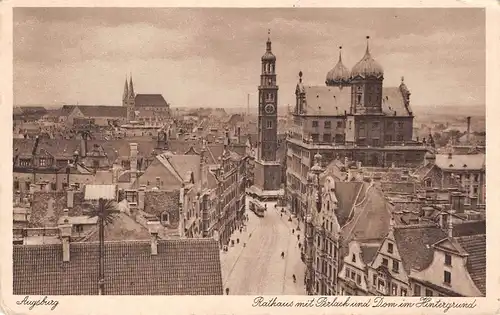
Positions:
{"x": 269, "y": 109}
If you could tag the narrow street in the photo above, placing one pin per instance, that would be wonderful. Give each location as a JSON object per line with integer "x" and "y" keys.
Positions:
{"x": 258, "y": 268}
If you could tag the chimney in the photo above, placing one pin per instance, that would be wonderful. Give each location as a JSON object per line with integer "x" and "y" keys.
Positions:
{"x": 473, "y": 202}
{"x": 460, "y": 203}
{"x": 154, "y": 228}
{"x": 468, "y": 129}
{"x": 141, "y": 196}
{"x": 65, "y": 234}
{"x": 457, "y": 202}
{"x": 133, "y": 163}
{"x": 450, "y": 224}
{"x": 450, "y": 155}
{"x": 32, "y": 188}
{"x": 204, "y": 215}
{"x": 83, "y": 146}
{"x": 70, "y": 196}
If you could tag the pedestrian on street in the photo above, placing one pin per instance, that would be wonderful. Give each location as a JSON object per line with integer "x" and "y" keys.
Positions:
{"x": 237, "y": 241}
{"x": 298, "y": 237}
{"x": 293, "y": 231}
{"x": 227, "y": 291}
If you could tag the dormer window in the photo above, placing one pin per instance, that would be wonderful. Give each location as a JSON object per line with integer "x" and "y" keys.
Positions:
{"x": 353, "y": 258}
{"x": 165, "y": 218}
{"x": 390, "y": 248}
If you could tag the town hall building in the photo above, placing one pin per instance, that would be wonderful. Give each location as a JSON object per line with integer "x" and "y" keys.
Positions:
{"x": 354, "y": 117}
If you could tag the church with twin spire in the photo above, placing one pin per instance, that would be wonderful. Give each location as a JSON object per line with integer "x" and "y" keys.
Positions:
{"x": 143, "y": 107}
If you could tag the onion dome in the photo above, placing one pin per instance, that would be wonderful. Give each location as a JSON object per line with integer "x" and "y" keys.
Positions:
{"x": 367, "y": 66}
{"x": 268, "y": 55}
{"x": 339, "y": 75}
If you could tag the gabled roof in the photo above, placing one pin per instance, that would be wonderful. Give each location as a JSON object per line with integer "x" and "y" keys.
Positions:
{"x": 181, "y": 267}
{"x": 180, "y": 166}
{"x": 327, "y": 100}
{"x": 469, "y": 228}
{"x": 414, "y": 244}
{"x": 371, "y": 217}
{"x": 150, "y": 100}
{"x": 336, "y": 101}
{"x": 461, "y": 162}
{"x": 368, "y": 252}
{"x": 393, "y": 102}
{"x": 475, "y": 246}
{"x": 103, "y": 111}
{"x": 122, "y": 228}
{"x": 346, "y": 193}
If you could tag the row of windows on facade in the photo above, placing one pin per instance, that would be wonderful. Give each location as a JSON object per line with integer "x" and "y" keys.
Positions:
{"x": 467, "y": 177}
{"x": 155, "y": 108}
{"x": 267, "y": 97}
{"x": 53, "y": 186}
{"x": 326, "y": 268}
{"x": 268, "y": 82}
{"x": 268, "y": 67}
{"x": 371, "y": 98}
{"x": 47, "y": 162}
{"x": 328, "y": 246}
{"x": 327, "y": 124}
{"x": 380, "y": 282}
{"x": 322, "y": 289}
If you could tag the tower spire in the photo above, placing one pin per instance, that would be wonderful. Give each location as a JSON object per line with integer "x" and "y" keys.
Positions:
{"x": 340, "y": 54}
{"x": 367, "y": 45}
{"x": 125, "y": 89}
{"x": 131, "y": 87}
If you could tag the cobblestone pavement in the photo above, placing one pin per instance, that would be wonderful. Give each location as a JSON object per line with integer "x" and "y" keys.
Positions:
{"x": 258, "y": 268}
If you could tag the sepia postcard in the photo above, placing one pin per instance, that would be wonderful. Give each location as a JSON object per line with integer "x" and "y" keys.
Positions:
{"x": 249, "y": 158}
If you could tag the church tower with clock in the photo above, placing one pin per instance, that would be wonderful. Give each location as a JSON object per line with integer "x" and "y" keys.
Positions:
{"x": 267, "y": 176}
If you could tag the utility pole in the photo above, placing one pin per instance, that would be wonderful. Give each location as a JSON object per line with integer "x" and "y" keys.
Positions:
{"x": 248, "y": 104}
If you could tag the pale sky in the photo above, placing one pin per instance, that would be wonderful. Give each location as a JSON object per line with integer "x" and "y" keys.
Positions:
{"x": 211, "y": 57}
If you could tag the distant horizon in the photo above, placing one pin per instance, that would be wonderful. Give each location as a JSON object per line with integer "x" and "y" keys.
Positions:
{"x": 233, "y": 107}
{"x": 213, "y": 55}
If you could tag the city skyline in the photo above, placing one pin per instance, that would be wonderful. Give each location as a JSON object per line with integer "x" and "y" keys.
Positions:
{"x": 216, "y": 52}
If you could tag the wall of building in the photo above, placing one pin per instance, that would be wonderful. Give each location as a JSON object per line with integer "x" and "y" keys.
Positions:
{"x": 57, "y": 181}
{"x": 460, "y": 278}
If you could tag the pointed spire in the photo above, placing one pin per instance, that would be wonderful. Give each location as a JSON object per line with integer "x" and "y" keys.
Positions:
{"x": 340, "y": 54}
{"x": 125, "y": 89}
{"x": 131, "y": 87}
{"x": 300, "y": 76}
{"x": 367, "y": 45}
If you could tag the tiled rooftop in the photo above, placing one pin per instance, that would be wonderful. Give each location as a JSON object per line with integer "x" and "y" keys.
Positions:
{"x": 415, "y": 244}
{"x": 475, "y": 245}
{"x": 181, "y": 267}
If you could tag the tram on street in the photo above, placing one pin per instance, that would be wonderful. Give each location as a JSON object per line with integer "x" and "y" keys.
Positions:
{"x": 257, "y": 208}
